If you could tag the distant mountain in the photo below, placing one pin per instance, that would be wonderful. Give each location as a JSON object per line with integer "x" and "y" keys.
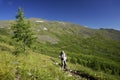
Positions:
{"x": 75, "y": 29}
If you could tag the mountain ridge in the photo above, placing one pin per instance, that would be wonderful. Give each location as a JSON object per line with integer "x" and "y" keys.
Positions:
{"x": 34, "y": 19}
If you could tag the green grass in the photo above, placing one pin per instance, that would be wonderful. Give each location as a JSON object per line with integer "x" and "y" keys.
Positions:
{"x": 98, "y": 75}
{"x": 94, "y": 52}
{"x": 33, "y": 65}
{"x": 30, "y": 66}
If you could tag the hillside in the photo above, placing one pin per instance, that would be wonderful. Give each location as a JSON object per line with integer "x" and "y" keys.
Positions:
{"x": 31, "y": 67}
{"x": 94, "y": 52}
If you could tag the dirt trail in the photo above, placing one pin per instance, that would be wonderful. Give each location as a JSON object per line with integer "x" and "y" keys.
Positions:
{"x": 76, "y": 73}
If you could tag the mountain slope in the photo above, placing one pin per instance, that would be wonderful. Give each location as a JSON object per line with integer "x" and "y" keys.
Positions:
{"x": 29, "y": 67}
{"x": 41, "y": 67}
{"x": 97, "y": 50}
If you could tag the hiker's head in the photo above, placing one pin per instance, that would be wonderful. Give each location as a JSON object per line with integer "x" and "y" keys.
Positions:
{"x": 62, "y": 51}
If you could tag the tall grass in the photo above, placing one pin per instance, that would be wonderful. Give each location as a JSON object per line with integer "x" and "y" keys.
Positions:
{"x": 32, "y": 66}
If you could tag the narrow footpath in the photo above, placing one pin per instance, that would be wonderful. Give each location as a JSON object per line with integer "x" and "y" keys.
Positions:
{"x": 76, "y": 73}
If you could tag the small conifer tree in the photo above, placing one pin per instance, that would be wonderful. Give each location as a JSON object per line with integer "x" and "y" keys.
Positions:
{"x": 22, "y": 32}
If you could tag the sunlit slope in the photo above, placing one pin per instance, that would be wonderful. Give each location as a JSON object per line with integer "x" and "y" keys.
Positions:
{"x": 97, "y": 50}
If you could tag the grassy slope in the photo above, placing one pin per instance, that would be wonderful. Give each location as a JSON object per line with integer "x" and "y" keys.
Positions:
{"x": 96, "y": 49}
{"x": 90, "y": 51}
{"x": 41, "y": 67}
{"x": 29, "y": 67}
{"x": 33, "y": 65}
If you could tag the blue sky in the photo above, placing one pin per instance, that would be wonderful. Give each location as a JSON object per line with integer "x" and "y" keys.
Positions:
{"x": 91, "y": 13}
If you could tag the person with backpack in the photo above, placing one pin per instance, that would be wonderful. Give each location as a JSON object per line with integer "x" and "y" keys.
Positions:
{"x": 63, "y": 58}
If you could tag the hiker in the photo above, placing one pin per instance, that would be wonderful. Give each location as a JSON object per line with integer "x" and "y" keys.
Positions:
{"x": 63, "y": 58}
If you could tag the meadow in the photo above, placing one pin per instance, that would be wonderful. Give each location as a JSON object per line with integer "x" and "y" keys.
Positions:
{"x": 89, "y": 51}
